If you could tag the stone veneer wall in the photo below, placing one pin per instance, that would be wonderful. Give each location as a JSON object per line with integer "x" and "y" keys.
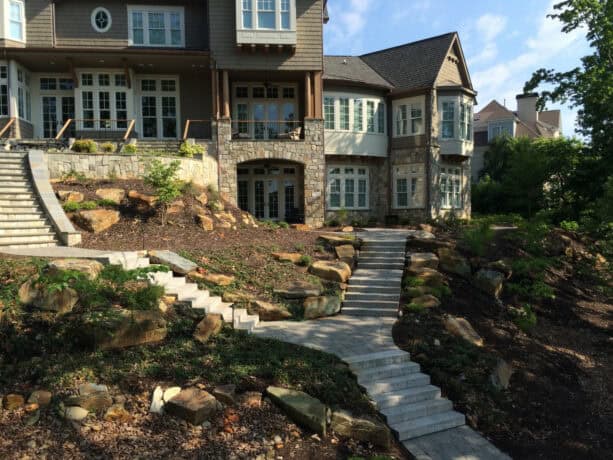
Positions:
{"x": 201, "y": 172}
{"x": 308, "y": 151}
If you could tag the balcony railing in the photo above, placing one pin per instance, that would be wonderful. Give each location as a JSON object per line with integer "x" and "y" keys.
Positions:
{"x": 198, "y": 129}
{"x": 267, "y": 130}
{"x": 6, "y": 128}
{"x": 97, "y": 129}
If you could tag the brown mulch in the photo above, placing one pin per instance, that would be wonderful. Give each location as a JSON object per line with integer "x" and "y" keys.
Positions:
{"x": 559, "y": 402}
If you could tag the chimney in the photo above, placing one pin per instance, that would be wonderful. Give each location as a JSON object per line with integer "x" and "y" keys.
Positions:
{"x": 526, "y": 107}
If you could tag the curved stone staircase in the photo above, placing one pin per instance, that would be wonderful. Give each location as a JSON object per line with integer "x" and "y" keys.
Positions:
{"x": 23, "y": 222}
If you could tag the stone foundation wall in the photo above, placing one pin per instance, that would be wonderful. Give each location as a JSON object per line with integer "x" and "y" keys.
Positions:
{"x": 202, "y": 172}
{"x": 308, "y": 151}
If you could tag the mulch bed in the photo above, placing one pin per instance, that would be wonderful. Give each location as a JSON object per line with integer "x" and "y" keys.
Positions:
{"x": 559, "y": 402}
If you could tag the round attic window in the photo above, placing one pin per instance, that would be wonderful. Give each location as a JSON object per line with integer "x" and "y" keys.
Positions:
{"x": 101, "y": 20}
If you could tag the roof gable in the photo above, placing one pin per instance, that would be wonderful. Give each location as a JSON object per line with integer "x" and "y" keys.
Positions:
{"x": 453, "y": 70}
{"x": 351, "y": 69}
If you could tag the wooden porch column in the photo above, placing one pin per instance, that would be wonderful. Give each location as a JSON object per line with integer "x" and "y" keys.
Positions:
{"x": 308, "y": 96}
{"x": 215, "y": 94}
{"x": 226, "y": 94}
{"x": 317, "y": 96}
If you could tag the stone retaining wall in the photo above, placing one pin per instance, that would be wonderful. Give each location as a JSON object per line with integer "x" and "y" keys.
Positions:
{"x": 200, "y": 171}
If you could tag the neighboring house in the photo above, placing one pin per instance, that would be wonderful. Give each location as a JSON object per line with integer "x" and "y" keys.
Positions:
{"x": 495, "y": 120}
{"x": 246, "y": 79}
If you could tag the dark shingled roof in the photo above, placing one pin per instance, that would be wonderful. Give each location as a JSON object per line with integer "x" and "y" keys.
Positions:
{"x": 414, "y": 65}
{"x": 352, "y": 69}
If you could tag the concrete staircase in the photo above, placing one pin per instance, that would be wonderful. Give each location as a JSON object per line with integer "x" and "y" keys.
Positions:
{"x": 200, "y": 299}
{"x": 23, "y": 223}
{"x": 403, "y": 394}
{"x": 374, "y": 288}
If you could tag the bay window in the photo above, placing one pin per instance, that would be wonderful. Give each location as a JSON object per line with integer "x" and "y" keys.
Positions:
{"x": 16, "y": 21}
{"x": 358, "y": 118}
{"x": 344, "y": 113}
{"x": 448, "y": 131}
{"x": 407, "y": 186}
{"x": 360, "y": 115}
{"x": 381, "y": 117}
{"x": 451, "y": 188}
{"x": 266, "y": 14}
{"x": 456, "y": 118}
{"x": 156, "y": 26}
{"x": 466, "y": 124}
{"x": 348, "y": 188}
{"x": 370, "y": 116}
{"x": 329, "y": 113}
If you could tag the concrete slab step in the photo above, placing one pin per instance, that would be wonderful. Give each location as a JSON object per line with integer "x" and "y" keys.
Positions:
{"x": 46, "y": 230}
{"x": 32, "y": 245}
{"x": 397, "y": 383}
{"x": 359, "y": 363}
{"x": 369, "y": 303}
{"x": 21, "y": 216}
{"x": 26, "y": 239}
{"x": 371, "y": 296}
{"x": 17, "y": 202}
{"x": 406, "y": 412}
{"x": 406, "y": 396}
{"x": 184, "y": 291}
{"x": 11, "y": 209}
{"x": 23, "y": 224}
{"x": 378, "y": 257}
{"x": 381, "y": 265}
{"x": 427, "y": 425}
{"x": 375, "y": 312}
{"x": 9, "y": 189}
{"x": 391, "y": 283}
{"x": 13, "y": 183}
{"x": 10, "y": 161}
{"x": 367, "y": 289}
{"x": 20, "y": 155}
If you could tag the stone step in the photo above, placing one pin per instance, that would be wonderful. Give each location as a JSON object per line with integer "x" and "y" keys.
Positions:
{"x": 17, "y": 196}
{"x": 11, "y": 224}
{"x": 174, "y": 283}
{"x": 13, "y": 175}
{"x": 384, "y": 245}
{"x": 12, "y": 156}
{"x": 25, "y": 216}
{"x": 143, "y": 262}
{"x": 45, "y": 230}
{"x": 13, "y": 184}
{"x": 371, "y": 283}
{"x": 406, "y": 412}
{"x": 32, "y": 245}
{"x": 26, "y": 238}
{"x": 388, "y": 273}
{"x": 184, "y": 291}
{"x": 388, "y": 371}
{"x": 7, "y": 190}
{"x": 224, "y": 309}
{"x": 381, "y": 265}
{"x": 406, "y": 396}
{"x": 12, "y": 171}
{"x": 368, "y": 289}
{"x": 391, "y": 304}
{"x": 367, "y": 361}
{"x": 428, "y": 425}
{"x": 371, "y": 296}
{"x": 244, "y": 321}
{"x": 374, "y": 312}
{"x": 17, "y": 202}
{"x": 16, "y": 209}
{"x": 11, "y": 161}
{"x": 397, "y": 383}
{"x": 378, "y": 257}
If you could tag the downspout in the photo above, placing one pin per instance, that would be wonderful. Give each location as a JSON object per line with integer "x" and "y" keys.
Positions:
{"x": 53, "y": 34}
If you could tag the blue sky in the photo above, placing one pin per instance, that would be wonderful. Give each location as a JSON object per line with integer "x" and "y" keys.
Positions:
{"x": 503, "y": 41}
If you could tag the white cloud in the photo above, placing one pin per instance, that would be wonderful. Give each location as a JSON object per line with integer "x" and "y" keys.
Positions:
{"x": 490, "y": 26}
{"x": 349, "y": 22}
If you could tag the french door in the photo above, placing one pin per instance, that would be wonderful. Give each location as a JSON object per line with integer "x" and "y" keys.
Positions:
{"x": 159, "y": 108}
{"x": 273, "y": 199}
{"x": 57, "y": 110}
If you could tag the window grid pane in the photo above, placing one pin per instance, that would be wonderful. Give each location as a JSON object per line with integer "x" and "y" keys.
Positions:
{"x": 329, "y": 113}
{"x": 370, "y": 116}
{"x": 358, "y": 118}
{"x": 344, "y": 115}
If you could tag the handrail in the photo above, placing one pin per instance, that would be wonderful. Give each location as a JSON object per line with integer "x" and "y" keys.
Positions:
{"x": 129, "y": 130}
{"x": 188, "y": 124}
{"x": 63, "y": 130}
{"x": 7, "y": 126}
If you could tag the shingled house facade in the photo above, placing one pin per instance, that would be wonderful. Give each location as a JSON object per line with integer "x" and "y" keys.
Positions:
{"x": 297, "y": 136}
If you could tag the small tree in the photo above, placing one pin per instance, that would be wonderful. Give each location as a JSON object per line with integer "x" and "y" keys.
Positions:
{"x": 163, "y": 179}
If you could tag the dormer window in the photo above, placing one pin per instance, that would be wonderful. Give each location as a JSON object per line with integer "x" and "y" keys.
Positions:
{"x": 266, "y": 22}
{"x": 16, "y": 23}
{"x": 154, "y": 26}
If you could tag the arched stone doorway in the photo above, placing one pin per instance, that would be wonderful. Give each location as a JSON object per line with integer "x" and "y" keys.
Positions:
{"x": 271, "y": 189}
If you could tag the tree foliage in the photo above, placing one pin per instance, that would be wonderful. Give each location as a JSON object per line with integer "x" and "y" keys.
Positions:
{"x": 163, "y": 179}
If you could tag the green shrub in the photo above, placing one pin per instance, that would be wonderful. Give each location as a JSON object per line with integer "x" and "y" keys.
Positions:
{"x": 163, "y": 179}
{"x": 88, "y": 205}
{"x": 283, "y": 224}
{"x": 106, "y": 203}
{"x": 189, "y": 150}
{"x": 108, "y": 147}
{"x": 478, "y": 238}
{"x": 569, "y": 225}
{"x": 85, "y": 146}
{"x": 71, "y": 206}
{"x": 412, "y": 282}
{"x": 146, "y": 298}
{"x": 415, "y": 308}
{"x": 129, "y": 149}
{"x": 74, "y": 175}
{"x": 525, "y": 318}
{"x": 305, "y": 261}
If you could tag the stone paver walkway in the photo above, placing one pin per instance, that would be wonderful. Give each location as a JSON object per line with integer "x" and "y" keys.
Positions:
{"x": 402, "y": 393}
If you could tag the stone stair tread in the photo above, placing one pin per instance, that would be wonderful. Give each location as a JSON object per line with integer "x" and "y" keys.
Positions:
{"x": 407, "y": 395}
{"x": 429, "y": 424}
{"x": 388, "y": 371}
{"x": 374, "y": 303}
{"x": 405, "y": 412}
{"x": 389, "y": 385}
{"x": 371, "y": 312}
{"x": 374, "y": 357}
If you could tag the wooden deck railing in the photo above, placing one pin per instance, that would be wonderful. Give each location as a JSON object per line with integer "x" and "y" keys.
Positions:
{"x": 114, "y": 129}
{"x": 267, "y": 130}
{"x": 6, "y": 127}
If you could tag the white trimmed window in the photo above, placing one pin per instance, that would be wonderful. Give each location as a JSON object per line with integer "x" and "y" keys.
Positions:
{"x": 329, "y": 113}
{"x": 4, "y": 91}
{"x": 156, "y": 26}
{"x": 456, "y": 118}
{"x": 16, "y": 21}
{"x": 466, "y": 121}
{"x": 24, "y": 102}
{"x": 267, "y": 14}
{"x": 101, "y": 20}
{"x": 348, "y": 188}
{"x": 360, "y": 115}
{"x": 409, "y": 119}
{"x": 344, "y": 114}
{"x": 407, "y": 187}
{"x": 381, "y": 118}
{"x": 104, "y": 101}
{"x": 448, "y": 120}
{"x": 451, "y": 188}
{"x": 370, "y": 116}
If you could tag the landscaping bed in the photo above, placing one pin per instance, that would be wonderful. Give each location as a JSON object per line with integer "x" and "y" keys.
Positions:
{"x": 550, "y": 331}
{"x": 37, "y": 353}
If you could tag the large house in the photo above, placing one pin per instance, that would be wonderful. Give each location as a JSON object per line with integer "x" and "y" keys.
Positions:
{"x": 295, "y": 135}
{"x": 496, "y": 120}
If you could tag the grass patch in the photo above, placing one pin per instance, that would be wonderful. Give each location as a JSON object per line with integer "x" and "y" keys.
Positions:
{"x": 525, "y": 318}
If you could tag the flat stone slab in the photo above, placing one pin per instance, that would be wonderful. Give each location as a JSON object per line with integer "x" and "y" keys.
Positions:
{"x": 301, "y": 407}
{"x": 177, "y": 264}
{"x": 298, "y": 290}
{"x": 192, "y": 405}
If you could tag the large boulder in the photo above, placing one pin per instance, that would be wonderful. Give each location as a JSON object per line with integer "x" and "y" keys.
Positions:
{"x": 177, "y": 264}
{"x": 489, "y": 281}
{"x": 421, "y": 235}
{"x": 192, "y": 405}
{"x": 429, "y": 277}
{"x": 463, "y": 329}
{"x": 268, "y": 311}
{"x": 501, "y": 375}
{"x": 346, "y": 253}
{"x": 126, "y": 328}
{"x": 302, "y": 408}
{"x": 38, "y": 296}
{"x": 176, "y": 207}
{"x": 70, "y": 196}
{"x": 90, "y": 268}
{"x": 337, "y": 270}
{"x": 13, "y": 401}
{"x": 419, "y": 260}
{"x": 142, "y": 201}
{"x": 319, "y": 307}
{"x": 116, "y": 195}
{"x": 97, "y": 220}
{"x": 292, "y": 257}
{"x": 451, "y": 261}
{"x": 428, "y": 244}
{"x": 95, "y": 401}
{"x": 361, "y": 429}
{"x": 213, "y": 278}
{"x": 302, "y": 227}
{"x": 298, "y": 290}
{"x": 338, "y": 240}
{"x": 210, "y": 326}
{"x": 206, "y": 222}
{"x": 426, "y": 301}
